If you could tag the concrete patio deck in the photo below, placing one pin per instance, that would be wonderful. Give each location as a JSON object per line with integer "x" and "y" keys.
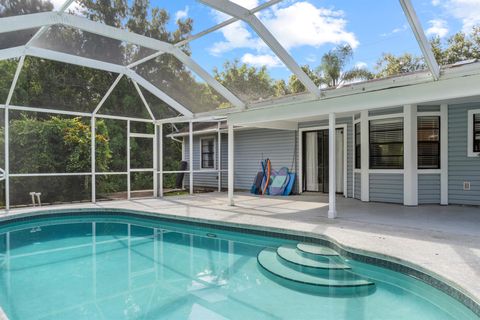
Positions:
{"x": 441, "y": 239}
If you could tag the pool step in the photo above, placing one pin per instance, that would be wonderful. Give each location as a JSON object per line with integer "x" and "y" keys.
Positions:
{"x": 291, "y": 254}
{"x": 316, "y": 249}
{"x": 330, "y": 276}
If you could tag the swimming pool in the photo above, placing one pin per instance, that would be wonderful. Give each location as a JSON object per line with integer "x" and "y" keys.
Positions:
{"x": 122, "y": 266}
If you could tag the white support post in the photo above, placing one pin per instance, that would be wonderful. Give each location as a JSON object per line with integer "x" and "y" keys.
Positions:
{"x": 93, "y": 156}
{"x": 219, "y": 156}
{"x": 332, "y": 177}
{"x": 190, "y": 155}
{"x": 444, "y": 154}
{"x": 300, "y": 162}
{"x": 231, "y": 165}
{"x": 128, "y": 161}
{"x": 155, "y": 162}
{"x": 160, "y": 159}
{"x": 410, "y": 185}
{"x": 364, "y": 157}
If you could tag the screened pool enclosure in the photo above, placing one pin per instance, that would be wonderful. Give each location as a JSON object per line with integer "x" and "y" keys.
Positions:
{"x": 90, "y": 95}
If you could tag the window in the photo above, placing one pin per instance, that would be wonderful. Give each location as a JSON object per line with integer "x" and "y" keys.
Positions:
{"x": 386, "y": 144}
{"x": 207, "y": 153}
{"x": 358, "y": 150}
{"x": 473, "y": 129}
{"x": 428, "y": 142}
{"x": 476, "y": 132}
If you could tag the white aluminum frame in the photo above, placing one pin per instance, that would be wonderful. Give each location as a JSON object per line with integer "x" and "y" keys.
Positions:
{"x": 249, "y": 17}
{"x": 417, "y": 29}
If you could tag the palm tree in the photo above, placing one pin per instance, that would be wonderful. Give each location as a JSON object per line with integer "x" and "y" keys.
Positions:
{"x": 331, "y": 72}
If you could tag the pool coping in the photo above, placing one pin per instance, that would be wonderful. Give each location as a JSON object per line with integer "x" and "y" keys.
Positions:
{"x": 405, "y": 267}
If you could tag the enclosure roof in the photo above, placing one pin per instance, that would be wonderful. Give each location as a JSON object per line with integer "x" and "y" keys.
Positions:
{"x": 164, "y": 69}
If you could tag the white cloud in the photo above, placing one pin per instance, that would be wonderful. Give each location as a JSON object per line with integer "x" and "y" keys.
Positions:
{"x": 435, "y": 2}
{"x": 295, "y": 25}
{"x": 249, "y": 4}
{"x": 396, "y": 30}
{"x": 303, "y": 24}
{"x": 237, "y": 36}
{"x": 181, "y": 14}
{"x": 467, "y": 11}
{"x": 438, "y": 28}
{"x": 261, "y": 60}
{"x": 361, "y": 65}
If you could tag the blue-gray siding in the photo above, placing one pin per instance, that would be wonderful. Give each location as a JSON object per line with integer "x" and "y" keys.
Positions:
{"x": 251, "y": 146}
{"x": 460, "y": 167}
{"x": 386, "y": 187}
{"x": 358, "y": 186}
{"x": 206, "y": 179}
{"x": 428, "y": 188}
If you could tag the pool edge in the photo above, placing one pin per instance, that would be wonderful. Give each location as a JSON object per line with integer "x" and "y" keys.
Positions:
{"x": 408, "y": 268}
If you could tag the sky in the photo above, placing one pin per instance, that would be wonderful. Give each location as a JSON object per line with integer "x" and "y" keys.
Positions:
{"x": 309, "y": 28}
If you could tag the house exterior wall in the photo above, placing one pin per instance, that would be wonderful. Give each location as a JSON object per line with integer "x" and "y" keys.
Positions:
{"x": 206, "y": 179}
{"x": 461, "y": 167}
{"x": 251, "y": 146}
{"x": 281, "y": 147}
{"x": 358, "y": 185}
{"x": 386, "y": 187}
{"x": 429, "y": 188}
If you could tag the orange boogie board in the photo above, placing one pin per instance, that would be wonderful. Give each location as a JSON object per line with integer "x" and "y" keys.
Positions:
{"x": 267, "y": 176}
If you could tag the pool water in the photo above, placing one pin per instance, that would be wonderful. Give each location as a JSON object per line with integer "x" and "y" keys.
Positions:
{"x": 119, "y": 267}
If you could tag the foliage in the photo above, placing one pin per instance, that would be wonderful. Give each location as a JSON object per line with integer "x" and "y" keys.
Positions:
{"x": 247, "y": 82}
{"x": 459, "y": 47}
{"x": 331, "y": 70}
{"x": 391, "y": 65}
{"x": 295, "y": 86}
{"x": 53, "y": 145}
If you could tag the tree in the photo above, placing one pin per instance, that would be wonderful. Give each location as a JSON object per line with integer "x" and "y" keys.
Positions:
{"x": 331, "y": 70}
{"x": 247, "y": 82}
{"x": 459, "y": 47}
{"x": 295, "y": 86}
{"x": 391, "y": 65}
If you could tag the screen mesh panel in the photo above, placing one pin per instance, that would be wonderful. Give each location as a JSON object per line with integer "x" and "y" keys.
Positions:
{"x": 54, "y": 85}
{"x": 176, "y": 80}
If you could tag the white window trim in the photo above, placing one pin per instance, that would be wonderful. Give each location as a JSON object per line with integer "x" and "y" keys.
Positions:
{"x": 345, "y": 158}
{"x": 214, "y": 153}
{"x": 470, "y": 152}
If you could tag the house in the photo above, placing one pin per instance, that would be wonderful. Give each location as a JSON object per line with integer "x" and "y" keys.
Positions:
{"x": 405, "y": 140}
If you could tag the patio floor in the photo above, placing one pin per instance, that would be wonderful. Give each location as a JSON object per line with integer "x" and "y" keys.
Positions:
{"x": 441, "y": 239}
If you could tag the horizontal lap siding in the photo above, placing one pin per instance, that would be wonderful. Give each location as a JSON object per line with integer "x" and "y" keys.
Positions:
{"x": 428, "y": 188}
{"x": 386, "y": 187}
{"x": 460, "y": 167}
{"x": 358, "y": 186}
{"x": 253, "y": 145}
{"x": 204, "y": 179}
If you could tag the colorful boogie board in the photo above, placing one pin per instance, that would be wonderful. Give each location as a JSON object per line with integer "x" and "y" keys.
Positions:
{"x": 271, "y": 182}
